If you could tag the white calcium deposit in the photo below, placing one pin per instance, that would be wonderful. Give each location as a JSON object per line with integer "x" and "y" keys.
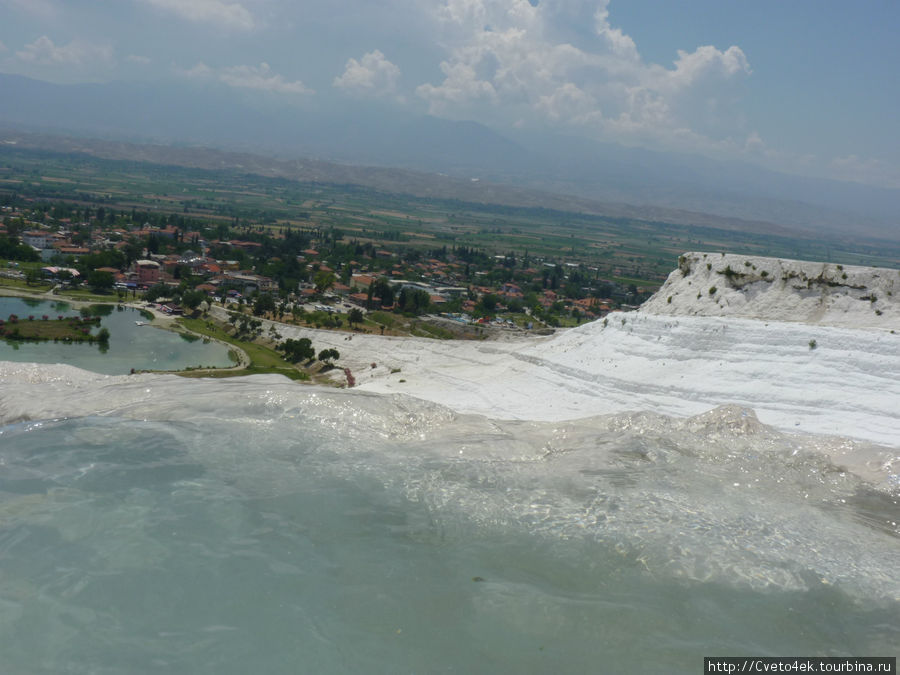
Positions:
{"x": 805, "y": 351}
{"x": 716, "y": 284}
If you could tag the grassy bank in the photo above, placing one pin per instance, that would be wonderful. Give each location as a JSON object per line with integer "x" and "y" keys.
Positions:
{"x": 263, "y": 359}
{"x": 22, "y": 285}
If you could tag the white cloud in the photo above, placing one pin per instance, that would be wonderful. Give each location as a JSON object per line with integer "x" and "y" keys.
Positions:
{"x": 617, "y": 42}
{"x": 569, "y": 102}
{"x": 562, "y": 62}
{"x": 3, "y": 47}
{"x": 262, "y": 78}
{"x": 461, "y": 87}
{"x": 43, "y": 52}
{"x": 373, "y": 75}
{"x": 215, "y": 12}
{"x": 754, "y": 145}
{"x": 198, "y": 71}
{"x": 707, "y": 60}
{"x": 136, "y": 58}
{"x": 473, "y": 15}
{"x": 258, "y": 77}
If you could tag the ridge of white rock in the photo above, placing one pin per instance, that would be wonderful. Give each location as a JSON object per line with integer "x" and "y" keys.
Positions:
{"x": 726, "y": 285}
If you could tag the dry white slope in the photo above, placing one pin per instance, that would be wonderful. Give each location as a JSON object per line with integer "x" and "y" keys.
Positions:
{"x": 793, "y": 349}
{"x": 708, "y": 355}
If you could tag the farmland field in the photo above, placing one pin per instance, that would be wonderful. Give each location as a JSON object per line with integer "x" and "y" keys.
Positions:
{"x": 625, "y": 249}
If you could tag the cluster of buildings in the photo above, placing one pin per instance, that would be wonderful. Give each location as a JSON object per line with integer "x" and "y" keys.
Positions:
{"x": 65, "y": 242}
{"x": 445, "y": 280}
{"x": 150, "y": 270}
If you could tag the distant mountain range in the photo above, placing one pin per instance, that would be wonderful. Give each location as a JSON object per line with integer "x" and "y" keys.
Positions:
{"x": 478, "y": 164}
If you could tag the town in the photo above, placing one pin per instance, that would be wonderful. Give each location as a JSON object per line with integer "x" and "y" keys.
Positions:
{"x": 325, "y": 276}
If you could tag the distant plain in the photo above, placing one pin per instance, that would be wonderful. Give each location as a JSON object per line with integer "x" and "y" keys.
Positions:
{"x": 626, "y": 249}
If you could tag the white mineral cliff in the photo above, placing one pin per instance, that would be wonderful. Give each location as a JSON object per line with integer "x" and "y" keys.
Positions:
{"x": 715, "y": 284}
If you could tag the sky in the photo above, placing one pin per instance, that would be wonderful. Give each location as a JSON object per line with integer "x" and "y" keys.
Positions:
{"x": 810, "y": 87}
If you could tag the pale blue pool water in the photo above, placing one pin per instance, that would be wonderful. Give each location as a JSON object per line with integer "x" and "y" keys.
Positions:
{"x": 259, "y": 531}
{"x": 130, "y": 345}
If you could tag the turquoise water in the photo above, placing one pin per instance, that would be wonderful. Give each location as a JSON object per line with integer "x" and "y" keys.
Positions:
{"x": 130, "y": 345}
{"x": 244, "y": 528}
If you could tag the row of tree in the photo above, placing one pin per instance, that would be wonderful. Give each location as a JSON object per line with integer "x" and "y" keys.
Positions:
{"x": 302, "y": 350}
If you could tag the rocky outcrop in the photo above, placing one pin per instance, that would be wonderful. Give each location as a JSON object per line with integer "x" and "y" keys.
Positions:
{"x": 717, "y": 284}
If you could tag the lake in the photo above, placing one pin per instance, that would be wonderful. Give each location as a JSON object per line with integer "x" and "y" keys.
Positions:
{"x": 130, "y": 345}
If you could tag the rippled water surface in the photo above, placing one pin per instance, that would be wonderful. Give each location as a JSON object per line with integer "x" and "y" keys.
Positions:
{"x": 349, "y": 534}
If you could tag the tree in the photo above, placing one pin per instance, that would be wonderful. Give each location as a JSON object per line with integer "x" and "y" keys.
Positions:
{"x": 152, "y": 244}
{"x": 355, "y": 316}
{"x": 328, "y": 355}
{"x": 131, "y": 251}
{"x": 155, "y": 292}
{"x": 413, "y": 301}
{"x": 324, "y": 281}
{"x": 488, "y": 303}
{"x": 192, "y": 299}
{"x": 298, "y": 350}
{"x": 100, "y": 281}
{"x": 383, "y": 290}
{"x": 11, "y": 249}
{"x": 264, "y": 303}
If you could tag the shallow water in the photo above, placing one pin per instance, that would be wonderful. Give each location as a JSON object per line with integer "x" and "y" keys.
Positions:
{"x": 243, "y": 527}
{"x": 130, "y": 346}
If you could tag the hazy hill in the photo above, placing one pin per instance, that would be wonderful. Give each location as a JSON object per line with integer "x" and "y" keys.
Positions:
{"x": 354, "y": 132}
{"x": 388, "y": 180}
